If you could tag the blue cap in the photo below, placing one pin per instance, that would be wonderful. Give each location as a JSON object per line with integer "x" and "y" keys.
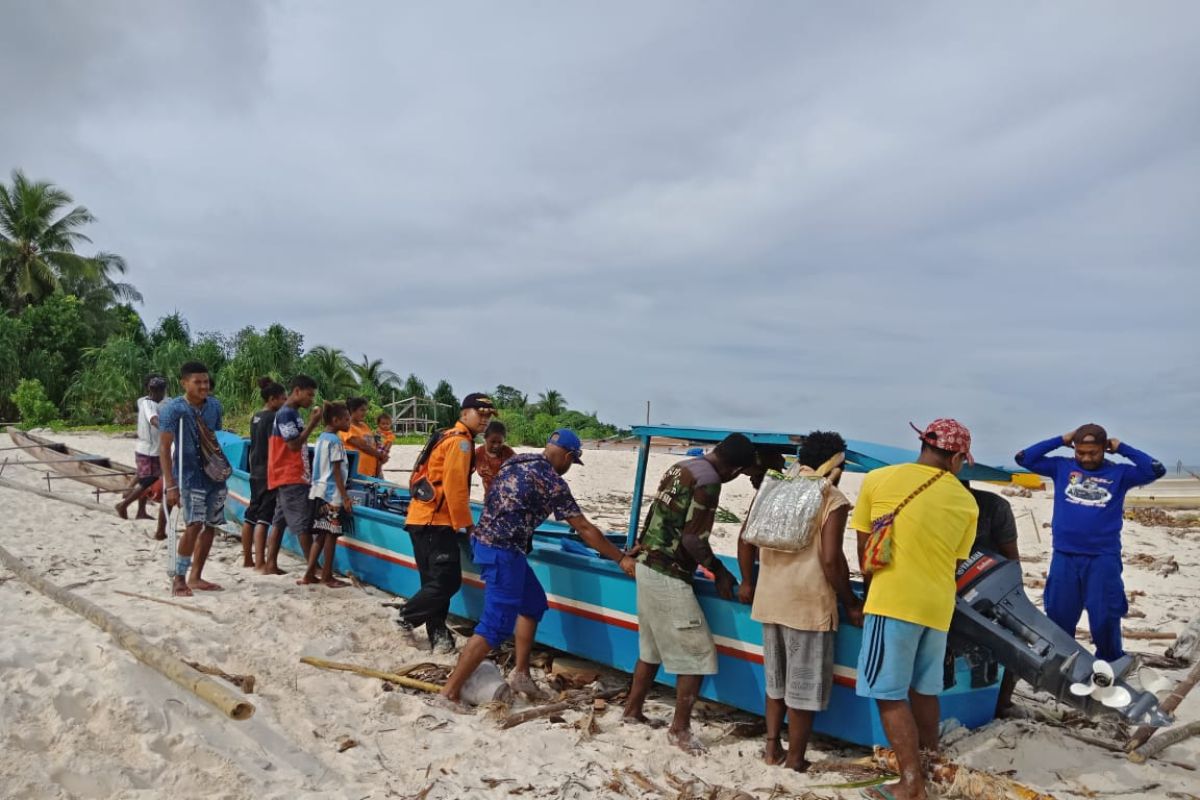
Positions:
{"x": 567, "y": 440}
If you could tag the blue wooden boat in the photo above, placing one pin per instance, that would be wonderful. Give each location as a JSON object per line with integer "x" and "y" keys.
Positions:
{"x": 593, "y": 605}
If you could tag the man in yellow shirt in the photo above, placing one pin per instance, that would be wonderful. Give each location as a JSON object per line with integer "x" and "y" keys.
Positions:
{"x": 910, "y": 600}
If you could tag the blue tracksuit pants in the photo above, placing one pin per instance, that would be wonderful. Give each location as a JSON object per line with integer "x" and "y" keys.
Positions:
{"x": 1093, "y": 582}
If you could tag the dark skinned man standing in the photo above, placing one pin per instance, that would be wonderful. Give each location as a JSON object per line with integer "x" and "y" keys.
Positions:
{"x": 910, "y": 599}
{"x": 527, "y": 489}
{"x": 672, "y": 630}
{"x": 1089, "y": 501}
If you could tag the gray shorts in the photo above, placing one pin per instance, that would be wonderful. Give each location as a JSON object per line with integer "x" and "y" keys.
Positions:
{"x": 672, "y": 630}
{"x": 798, "y": 666}
{"x": 293, "y": 508}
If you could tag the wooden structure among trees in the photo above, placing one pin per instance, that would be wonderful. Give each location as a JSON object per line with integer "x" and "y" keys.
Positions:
{"x": 414, "y": 415}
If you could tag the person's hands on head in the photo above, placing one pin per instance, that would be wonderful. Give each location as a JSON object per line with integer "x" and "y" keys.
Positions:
{"x": 1069, "y": 436}
{"x": 1090, "y": 443}
{"x": 1113, "y": 445}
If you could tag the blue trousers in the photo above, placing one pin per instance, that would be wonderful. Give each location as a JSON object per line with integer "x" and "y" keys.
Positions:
{"x": 1077, "y": 582}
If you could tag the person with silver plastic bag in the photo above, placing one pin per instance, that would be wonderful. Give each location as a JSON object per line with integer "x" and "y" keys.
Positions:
{"x": 795, "y": 531}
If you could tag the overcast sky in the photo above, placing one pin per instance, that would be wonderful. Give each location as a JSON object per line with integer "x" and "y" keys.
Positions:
{"x": 756, "y": 214}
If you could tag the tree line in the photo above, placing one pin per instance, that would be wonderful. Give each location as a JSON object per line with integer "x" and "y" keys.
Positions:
{"x": 75, "y": 350}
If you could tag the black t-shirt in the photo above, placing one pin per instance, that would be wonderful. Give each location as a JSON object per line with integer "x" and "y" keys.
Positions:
{"x": 260, "y": 435}
{"x": 997, "y": 525}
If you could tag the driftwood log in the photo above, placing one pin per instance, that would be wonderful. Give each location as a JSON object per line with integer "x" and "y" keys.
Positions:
{"x": 1134, "y": 633}
{"x": 1165, "y": 740}
{"x": 226, "y": 700}
{"x": 390, "y": 677}
{"x": 537, "y": 712}
{"x": 1142, "y": 734}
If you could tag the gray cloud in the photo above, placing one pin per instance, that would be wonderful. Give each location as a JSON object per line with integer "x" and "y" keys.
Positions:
{"x": 768, "y": 214}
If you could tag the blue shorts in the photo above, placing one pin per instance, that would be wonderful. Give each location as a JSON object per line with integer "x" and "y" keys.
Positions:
{"x": 897, "y": 656}
{"x": 510, "y": 589}
{"x": 203, "y": 505}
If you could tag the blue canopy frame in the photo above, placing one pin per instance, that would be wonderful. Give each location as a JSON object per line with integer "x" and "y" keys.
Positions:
{"x": 860, "y": 457}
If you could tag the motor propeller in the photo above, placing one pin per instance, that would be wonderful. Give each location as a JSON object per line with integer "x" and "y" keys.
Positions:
{"x": 1101, "y": 686}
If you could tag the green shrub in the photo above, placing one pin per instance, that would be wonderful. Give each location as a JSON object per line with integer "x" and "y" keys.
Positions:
{"x": 32, "y": 404}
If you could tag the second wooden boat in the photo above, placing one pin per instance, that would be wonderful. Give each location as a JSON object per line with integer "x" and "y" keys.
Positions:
{"x": 99, "y": 471}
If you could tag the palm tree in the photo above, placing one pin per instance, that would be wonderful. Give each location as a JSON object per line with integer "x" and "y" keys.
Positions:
{"x": 330, "y": 368}
{"x": 37, "y": 248}
{"x": 373, "y": 378}
{"x": 551, "y": 402}
{"x": 414, "y": 387}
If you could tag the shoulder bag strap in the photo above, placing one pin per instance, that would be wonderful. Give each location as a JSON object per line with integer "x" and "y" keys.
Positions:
{"x": 917, "y": 491}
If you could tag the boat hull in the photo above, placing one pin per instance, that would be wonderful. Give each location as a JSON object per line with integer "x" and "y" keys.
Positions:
{"x": 593, "y": 615}
{"x": 97, "y": 471}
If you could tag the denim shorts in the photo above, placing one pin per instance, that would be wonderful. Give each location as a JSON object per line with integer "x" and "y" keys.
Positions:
{"x": 897, "y": 656}
{"x": 203, "y": 505}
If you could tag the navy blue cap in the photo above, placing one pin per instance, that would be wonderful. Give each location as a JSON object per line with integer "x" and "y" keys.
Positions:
{"x": 567, "y": 440}
{"x": 478, "y": 400}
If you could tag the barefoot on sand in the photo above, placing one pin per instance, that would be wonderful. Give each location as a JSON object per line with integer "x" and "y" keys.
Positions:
{"x": 687, "y": 742}
{"x": 206, "y": 586}
{"x": 773, "y": 755}
{"x": 521, "y": 683}
{"x": 334, "y": 583}
{"x": 179, "y": 587}
{"x": 265, "y": 570}
{"x": 642, "y": 719}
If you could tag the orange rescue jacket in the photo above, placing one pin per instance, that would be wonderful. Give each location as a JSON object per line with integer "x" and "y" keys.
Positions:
{"x": 450, "y": 474}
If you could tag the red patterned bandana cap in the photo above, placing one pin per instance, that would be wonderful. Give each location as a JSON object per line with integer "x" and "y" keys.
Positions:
{"x": 947, "y": 434}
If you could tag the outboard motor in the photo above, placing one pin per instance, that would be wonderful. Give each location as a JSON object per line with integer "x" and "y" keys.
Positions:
{"x": 993, "y": 612}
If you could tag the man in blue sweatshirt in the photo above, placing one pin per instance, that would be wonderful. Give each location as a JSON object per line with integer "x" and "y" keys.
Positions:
{"x": 1089, "y": 502}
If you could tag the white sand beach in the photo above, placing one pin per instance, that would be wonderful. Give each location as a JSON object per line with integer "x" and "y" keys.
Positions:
{"x": 81, "y": 718}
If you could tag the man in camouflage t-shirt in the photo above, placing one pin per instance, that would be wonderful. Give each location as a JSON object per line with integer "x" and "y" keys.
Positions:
{"x": 672, "y": 630}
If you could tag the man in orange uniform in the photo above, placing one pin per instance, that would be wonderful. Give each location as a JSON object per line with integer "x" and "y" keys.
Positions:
{"x": 437, "y": 525}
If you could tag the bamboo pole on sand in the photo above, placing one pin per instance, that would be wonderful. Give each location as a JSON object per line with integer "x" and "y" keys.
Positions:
{"x": 221, "y": 697}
